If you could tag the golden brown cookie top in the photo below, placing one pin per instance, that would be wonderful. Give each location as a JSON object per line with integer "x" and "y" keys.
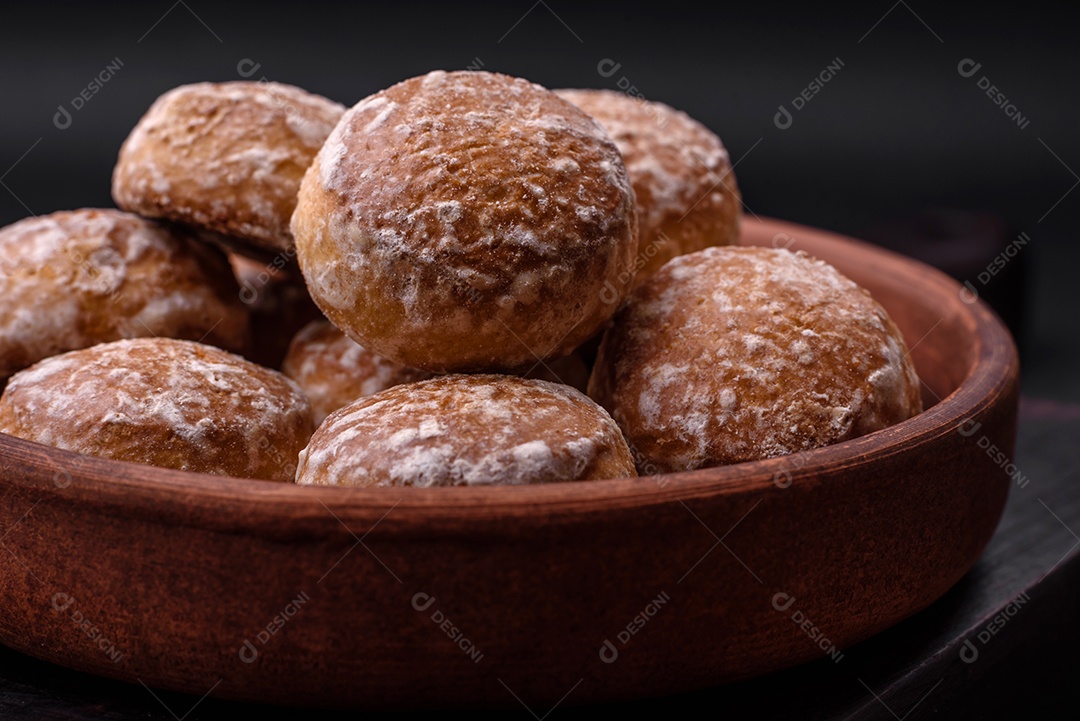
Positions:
{"x": 673, "y": 160}
{"x": 734, "y": 354}
{"x": 227, "y": 157}
{"x": 468, "y": 201}
{"x": 72, "y": 279}
{"x": 162, "y": 402}
{"x": 687, "y": 196}
{"x": 335, "y": 370}
{"x": 462, "y": 430}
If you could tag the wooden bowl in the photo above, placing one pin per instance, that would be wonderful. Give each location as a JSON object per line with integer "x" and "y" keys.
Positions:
{"x": 474, "y": 596}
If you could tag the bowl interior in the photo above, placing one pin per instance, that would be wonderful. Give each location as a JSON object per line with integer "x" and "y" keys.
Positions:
{"x": 941, "y": 331}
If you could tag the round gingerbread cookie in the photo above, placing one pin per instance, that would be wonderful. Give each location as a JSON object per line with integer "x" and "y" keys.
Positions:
{"x": 225, "y": 157}
{"x": 737, "y": 354}
{"x": 466, "y": 430}
{"x": 687, "y": 197}
{"x": 75, "y": 278}
{"x": 334, "y": 370}
{"x": 467, "y": 221}
{"x": 163, "y": 402}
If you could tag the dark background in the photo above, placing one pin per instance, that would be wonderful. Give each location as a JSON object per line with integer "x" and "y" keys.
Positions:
{"x": 898, "y": 130}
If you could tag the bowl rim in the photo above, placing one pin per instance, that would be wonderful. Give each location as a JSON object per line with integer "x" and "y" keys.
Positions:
{"x": 190, "y": 498}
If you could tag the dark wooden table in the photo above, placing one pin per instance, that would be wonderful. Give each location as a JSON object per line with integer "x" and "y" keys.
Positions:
{"x": 1003, "y": 643}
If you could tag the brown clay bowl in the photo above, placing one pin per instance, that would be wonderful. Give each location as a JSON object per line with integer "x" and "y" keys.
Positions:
{"x": 474, "y": 596}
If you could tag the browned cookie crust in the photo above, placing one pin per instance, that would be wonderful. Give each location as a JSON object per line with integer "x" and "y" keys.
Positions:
{"x": 75, "y": 278}
{"x": 466, "y": 221}
{"x": 467, "y": 430}
{"x": 334, "y": 370}
{"x": 226, "y": 157}
{"x": 736, "y": 354}
{"x": 163, "y": 402}
{"x": 687, "y": 197}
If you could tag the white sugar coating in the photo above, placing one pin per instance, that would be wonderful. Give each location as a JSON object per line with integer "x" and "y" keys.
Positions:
{"x": 465, "y": 202}
{"x": 164, "y": 311}
{"x": 385, "y": 109}
{"x": 163, "y": 402}
{"x": 733, "y": 354}
{"x": 335, "y": 370}
{"x": 466, "y": 431}
{"x": 75, "y": 278}
{"x": 227, "y": 157}
{"x": 672, "y": 159}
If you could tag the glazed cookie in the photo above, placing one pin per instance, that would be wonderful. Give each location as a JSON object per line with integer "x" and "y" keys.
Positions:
{"x": 226, "y": 157}
{"x": 467, "y": 221}
{"x": 334, "y": 370}
{"x": 466, "y": 430}
{"x": 687, "y": 198}
{"x": 76, "y": 278}
{"x": 736, "y": 354}
{"x": 163, "y": 402}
